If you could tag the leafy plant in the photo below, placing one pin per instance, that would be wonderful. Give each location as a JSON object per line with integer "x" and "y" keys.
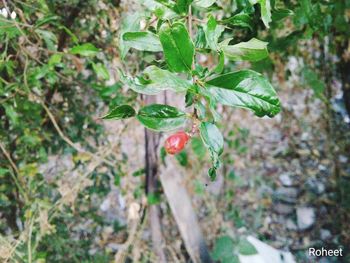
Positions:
{"x": 170, "y": 32}
{"x": 226, "y": 250}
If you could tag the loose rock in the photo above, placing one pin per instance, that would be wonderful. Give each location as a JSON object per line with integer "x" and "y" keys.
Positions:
{"x": 288, "y": 195}
{"x": 305, "y": 217}
{"x": 283, "y": 209}
{"x": 286, "y": 179}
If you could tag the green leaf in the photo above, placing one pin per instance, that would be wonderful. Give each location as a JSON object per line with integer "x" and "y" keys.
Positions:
{"x": 130, "y": 23}
{"x": 12, "y": 114}
{"x": 246, "y": 248}
{"x": 55, "y": 59}
{"x": 163, "y": 154}
{"x": 212, "y": 32}
{"x": 253, "y": 50}
{"x": 224, "y": 251}
{"x": 265, "y": 12}
{"x": 120, "y": 112}
{"x": 220, "y": 66}
{"x": 212, "y": 137}
{"x": 159, "y": 9}
{"x": 182, "y": 158}
{"x": 50, "y": 38}
{"x": 203, "y": 3}
{"x": 139, "y": 172}
{"x": 85, "y": 50}
{"x": 213, "y": 140}
{"x": 314, "y": 81}
{"x": 101, "y": 71}
{"x": 3, "y": 171}
{"x": 200, "y": 39}
{"x": 154, "y": 80}
{"x": 136, "y": 85}
{"x": 73, "y": 37}
{"x": 245, "y": 89}
{"x": 153, "y": 198}
{"x": 144, "y": 41}
{"x": 46, "y": 20}
{"x": 181, "y": 6}
{"x": 265, "y": 9}
{"x": 201, "y": 109}
{"x": 8, "y": 29}
{"x": 177, "y": 46}
{"x": 212, "y": 172}
{"x": 159, "y": 117}
{"x": 233, "y": 259}
{"x": 280, "y": 14}
{"x": 189, "y": 99}
{"x": 165, "y": 80}
{"x": 213, "y": 110}
{"x": 241, "y": 20}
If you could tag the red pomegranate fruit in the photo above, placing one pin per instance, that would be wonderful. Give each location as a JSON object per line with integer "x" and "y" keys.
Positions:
{"x": 176, "y": 142}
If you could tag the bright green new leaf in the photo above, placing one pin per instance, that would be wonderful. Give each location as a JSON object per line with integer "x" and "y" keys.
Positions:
{"x": 144, "y": 41}
{"x": 253, "y": 50}
{"x": 159, "y": 117}
{"x": 85, "y": 50}
{"x": 212, "y": 32}
{"x": 120, "y": 112}
{"x": 203, "y": 3}
{"x": 246, "y": 89}
{"x": 213, "y": 140}
{"x": 177, "y": 46}
{"x": 246, "y": 248}
{"x": 265, "y": 8}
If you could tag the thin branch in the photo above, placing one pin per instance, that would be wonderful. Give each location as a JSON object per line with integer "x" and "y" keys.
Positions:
{"x": 67, "y": 140}
{"x": 134, "y": 233}
{"x": 8, "y": 157}
{"x": 15, "y": 168}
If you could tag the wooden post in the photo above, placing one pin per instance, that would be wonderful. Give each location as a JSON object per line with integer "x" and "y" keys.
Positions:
{"x": 152, "y": 184}
{"x": 185, "y": 217}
